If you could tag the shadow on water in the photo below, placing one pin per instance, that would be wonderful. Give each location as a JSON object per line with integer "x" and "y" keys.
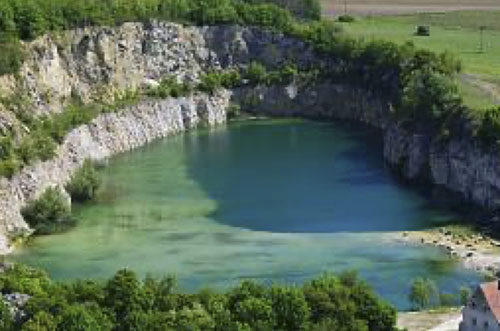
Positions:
{"x": 308, "y": 177}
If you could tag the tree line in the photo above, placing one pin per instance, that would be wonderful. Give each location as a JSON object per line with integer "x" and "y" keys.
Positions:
{"x": 124, "y": 302}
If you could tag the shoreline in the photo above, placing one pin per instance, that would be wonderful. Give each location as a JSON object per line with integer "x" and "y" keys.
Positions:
{"x": 476, "y": 251}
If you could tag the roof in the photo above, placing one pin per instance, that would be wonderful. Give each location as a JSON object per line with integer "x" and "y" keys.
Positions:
{"x": 492, "y": 295}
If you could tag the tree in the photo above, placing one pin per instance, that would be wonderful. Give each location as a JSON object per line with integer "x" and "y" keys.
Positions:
{"x": 49, "y": 213}
{"x": 6, "y": 322}
{"x": 429, "y": 97}
{"x": 41, "y": 321}
{"x": 290, "y": 308}
{"x": 256, "y": 312}
{"x": 30, "y": 20}
{"x": 83, "y": 318}
{"x": 6, "y": 17}
{"x": 256, "y": 73}
{"x": 160, "y": 292}
{"x": 423, "y": 293}
{"x": 124, "y": 294}
{"x": 194, "y": 318}
{"x": 84, "y": 183}
{"x": 465, "y": 294}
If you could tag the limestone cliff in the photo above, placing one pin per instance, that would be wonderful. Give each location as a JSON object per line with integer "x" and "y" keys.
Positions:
{"x": 459, "y": 164}
{"x": 105, "y": 136}
{"x": 94, "y": 63}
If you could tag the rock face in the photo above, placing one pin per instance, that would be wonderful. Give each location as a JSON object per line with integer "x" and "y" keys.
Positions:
{"x": 95, "y": 63}
{"x": 105, "y": 136}
{"x": 16, "y": 303}
{"x": 459, "y": 164}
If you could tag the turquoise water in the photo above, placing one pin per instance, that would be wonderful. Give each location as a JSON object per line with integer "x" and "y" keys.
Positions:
{"x": 277, "y": 200}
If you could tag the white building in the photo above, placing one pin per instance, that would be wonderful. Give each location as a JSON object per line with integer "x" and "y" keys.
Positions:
{"x": 482, "y": 312}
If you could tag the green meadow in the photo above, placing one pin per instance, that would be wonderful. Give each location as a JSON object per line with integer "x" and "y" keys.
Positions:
{"x": 473, "y": 36}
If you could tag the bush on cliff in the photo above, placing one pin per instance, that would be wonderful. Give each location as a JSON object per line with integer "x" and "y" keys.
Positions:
{"x": 11, "y": 55}
{"x": 168, "y": 87}
{"x": 429, "y": 98}
{"x": 126, "y": 303}
{"x": 51, "y": 212}
{"x": 303, "y": 9}
{"x": 84, "y": 184}
{"x": 488, "y": 131}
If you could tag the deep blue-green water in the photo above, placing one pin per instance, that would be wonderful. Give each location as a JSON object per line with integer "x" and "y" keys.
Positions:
{"x": 274, "y": 200}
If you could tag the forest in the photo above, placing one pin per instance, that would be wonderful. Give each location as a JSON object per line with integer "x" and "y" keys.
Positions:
{"x": 124, "y": 302}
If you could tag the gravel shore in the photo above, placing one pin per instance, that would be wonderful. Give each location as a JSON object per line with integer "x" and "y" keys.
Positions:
{"x": 476, "y": 251}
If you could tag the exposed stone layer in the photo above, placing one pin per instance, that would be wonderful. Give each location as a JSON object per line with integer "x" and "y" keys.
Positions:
{"x": 458, "y": 164}
{"x": 107, "y": 135}
{"x": 95, "y": 62}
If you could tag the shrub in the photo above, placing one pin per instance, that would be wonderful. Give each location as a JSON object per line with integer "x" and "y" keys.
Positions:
{"x": 23, "y": 279}
{"x": 489, "y": 127}
{"x": 210, "y": 82}
{"x": 256, "y": 73}
{"x": 51, "y": 212}
{"x": 84, "y": 183}
{"x": 429, "y": 98}
{"x": 6, "y": 321}
{"x": 168, "y": 87}
{"x": 266, "y": 15}
{"x": 233, "y": 111}
{"x": 257, "y": 312}
{"x": 41, "y": 321}
{"x": 465, "y": 294}
{"x": 448, "y": 300}
{"x": 125, "y": 303}
{"x": 83, "y": 317}
{"x": 423, "y": 30}
{"x": 346, "y": 19}
{"x": 290, "y": 308}
{"x": 9, "y": 167}
{"x": 11, "y": 56}
{"x": 38, "y": 145}
{"x": 303, "y": 9}
{"x": 423, "y": 293}
{"x": 124, "y": 294}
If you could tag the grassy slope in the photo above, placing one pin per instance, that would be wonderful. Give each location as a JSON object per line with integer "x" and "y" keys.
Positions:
{"x": 457, "y": 32}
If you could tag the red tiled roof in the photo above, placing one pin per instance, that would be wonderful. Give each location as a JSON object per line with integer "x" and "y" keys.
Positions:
{"x": 492, "y": 296}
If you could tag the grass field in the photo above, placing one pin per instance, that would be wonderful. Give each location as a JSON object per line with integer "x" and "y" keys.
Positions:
{"x": 454, "y": 31}
{"x": 393, "y": 7}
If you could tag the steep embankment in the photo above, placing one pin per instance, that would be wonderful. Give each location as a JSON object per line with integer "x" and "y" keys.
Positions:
{"x": 459, "y": 164}
{"x": 107, "y": 135}
{"x": 93, "y": 64}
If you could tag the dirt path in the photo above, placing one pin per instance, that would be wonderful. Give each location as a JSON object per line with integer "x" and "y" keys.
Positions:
{"x": 441, "y": 320}
{"x": 489, "y": 88}
{"x": 450, "y": 325}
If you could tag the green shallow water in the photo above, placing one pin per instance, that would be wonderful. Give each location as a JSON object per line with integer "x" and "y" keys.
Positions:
{"x": 277, "y": 200}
